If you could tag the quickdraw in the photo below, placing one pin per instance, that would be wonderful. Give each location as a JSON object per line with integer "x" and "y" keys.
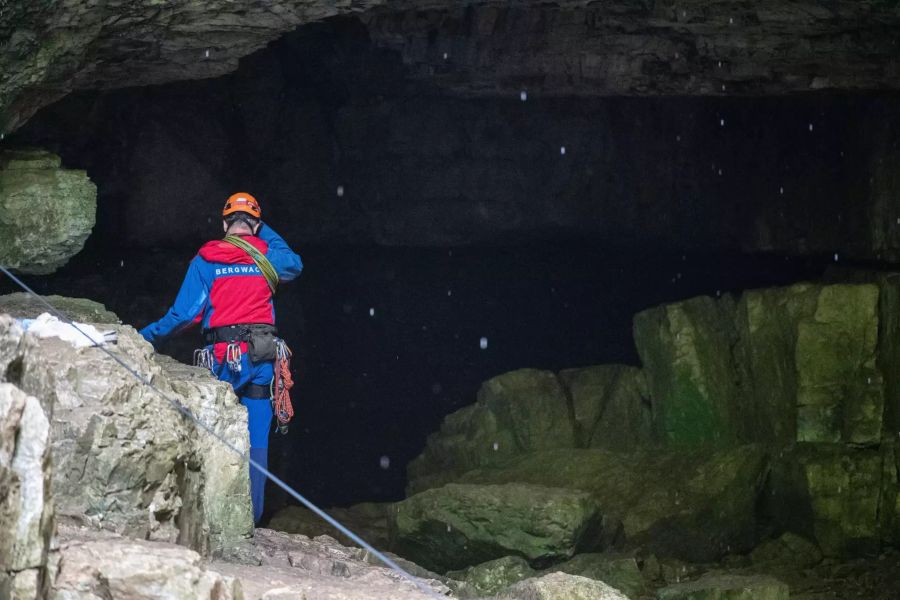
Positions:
{"x": 282, "y": 383}
{"x": 204, "y": 359}
{"x": 233, "y": 357}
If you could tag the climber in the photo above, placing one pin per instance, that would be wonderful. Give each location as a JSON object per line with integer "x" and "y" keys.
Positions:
{"x": 228, "y": 289}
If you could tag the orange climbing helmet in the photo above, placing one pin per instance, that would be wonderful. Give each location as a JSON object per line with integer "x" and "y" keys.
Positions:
{"x": 242, "y": 202}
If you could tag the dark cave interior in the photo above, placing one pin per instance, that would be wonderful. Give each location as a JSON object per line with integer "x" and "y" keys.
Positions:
{"x": 428, "y": 222}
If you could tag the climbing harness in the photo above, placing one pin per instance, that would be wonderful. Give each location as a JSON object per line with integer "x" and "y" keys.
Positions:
{"x": 180, "y": 407}
{"x": 282, "y": 383}
{"x": 259, "y": 258}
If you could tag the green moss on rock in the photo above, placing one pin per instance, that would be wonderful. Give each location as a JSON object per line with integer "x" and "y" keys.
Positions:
{"x": 611, "y": 406}
{"x": 684, "y": 349}
{"x": 459, "y": 525}
{"x": 46, "y": 212}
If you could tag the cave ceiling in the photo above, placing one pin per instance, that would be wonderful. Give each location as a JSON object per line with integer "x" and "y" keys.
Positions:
{"x": 620, "y": 47}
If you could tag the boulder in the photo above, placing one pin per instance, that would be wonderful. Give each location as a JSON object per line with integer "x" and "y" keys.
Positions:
{"x": 611, "y": 407}
{"x": 26, "y": 506}
{"x": 93, "y": 566}
{"x": 684, "y": 348}
{"x": 789, "y": 549}
{"x": 561, "y": 586}
{"x": 832, "y": 493}
{"x": 727, "y": 587}
{"x": 124, "y": 459}
{"x": 460, "y": 525}
{"x": 618, "y": 571}
{"x": 46, "y": 212}
{"x": 492, "y": 577}
{"x": 695, "y": 505}
{"x": 515, "y": 412}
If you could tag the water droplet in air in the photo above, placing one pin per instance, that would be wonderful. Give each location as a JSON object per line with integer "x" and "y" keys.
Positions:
{"x": 523, "y": 95}
{"x": 868, "y": 380}
{"x": 810, "y": 126}
{"x": 449, "y": 293}
{"x": 371, "y": 312}
{"x": 835, "y": 257}
{"x": 721, "y": 122}
{"x": 445, "y": 56}
{"x": 731, "y": 20}
{"x": 781, "y": 190}
{"x": 121, "y": 263}
{"x": 2, "y": 135}
{"x": 676, "y": 55}
{"x": 340, "y": 191}
{"x": 483, "y": 343}
{"x": 207, "y": 53}
{"x": 448, "y": 529}
{"x": 677, "y": 138}
{"x": 562, "y": 150}
{"x": 720, "y": 172}
{"x": 384, "y": 462}
{"x": 720, "y": 64}
{"x": 496, "y": 446}
{"x": 718, "y": 293}
{"x": 723, "y": 87}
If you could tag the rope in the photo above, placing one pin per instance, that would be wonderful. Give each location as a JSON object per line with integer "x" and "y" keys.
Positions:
{"x": 282, "y": 382}
{"x": 271, "y": 476}
{"x": 261, "y": 261}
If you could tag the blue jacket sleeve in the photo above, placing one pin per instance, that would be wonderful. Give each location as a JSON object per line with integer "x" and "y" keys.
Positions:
{"x": 285, "y": 260}
{"x": 189, "y": 304}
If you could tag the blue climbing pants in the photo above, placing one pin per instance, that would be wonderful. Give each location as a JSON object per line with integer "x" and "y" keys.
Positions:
{"x": 259, "y": 419}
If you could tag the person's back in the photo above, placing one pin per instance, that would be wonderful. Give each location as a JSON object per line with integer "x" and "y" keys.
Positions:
{"x": 227, "y": 292}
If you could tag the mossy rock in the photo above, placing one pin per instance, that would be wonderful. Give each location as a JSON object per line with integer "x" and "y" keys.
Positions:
{"x": 46, "y": 212}
{"x": 516, "y": 412}
{"x": 695, "y": 505}
{"x": 461, "y": 525}
{"x": 620, "y": 572}
{"x": 492, "y": 577}
{"x": 727, "y": 587}
{"x": 611, "y": 406}
{"x": 684, "y": 348}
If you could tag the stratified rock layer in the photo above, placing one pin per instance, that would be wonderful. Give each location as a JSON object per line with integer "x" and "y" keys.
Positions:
{"x": 46, "y": 212}
{"x": 611, "y": 48}
{"x": 727, "y": 587}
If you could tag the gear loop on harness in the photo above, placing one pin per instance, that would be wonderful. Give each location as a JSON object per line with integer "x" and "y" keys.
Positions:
{"x": 204, "y": 359}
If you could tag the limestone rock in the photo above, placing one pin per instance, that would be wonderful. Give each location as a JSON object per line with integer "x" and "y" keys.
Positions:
{"x": 727, "y": 587}
{"x": 516, "y": 412}
{"x": 692, "y": 505}
{"x": 691, "y": 378}
{"x": 126, "y": 460}
{"x": 118, "y": 568}
{"x": 460, "y": 525}
{"x": 620, "y": 572}
{"x": 46, "y": 212}
{"x": 560, "y": 586}
{"x": 493, "y": 576}
{"x": 22, "y": 305}
{"x": 611, "y": 406}
{"x": 26, "y": 506}
{"x": 293, "y": 566}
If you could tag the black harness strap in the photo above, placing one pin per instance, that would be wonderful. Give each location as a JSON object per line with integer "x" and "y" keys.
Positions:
{"x": 234, "y": 333}
{"x": 256, "y": 391}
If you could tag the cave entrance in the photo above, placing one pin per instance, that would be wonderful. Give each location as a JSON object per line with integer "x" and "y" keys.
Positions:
{"x": 450, "y": 233}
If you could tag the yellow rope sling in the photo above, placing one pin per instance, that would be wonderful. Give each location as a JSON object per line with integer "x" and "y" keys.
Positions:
{"x": 261, "y": 261}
